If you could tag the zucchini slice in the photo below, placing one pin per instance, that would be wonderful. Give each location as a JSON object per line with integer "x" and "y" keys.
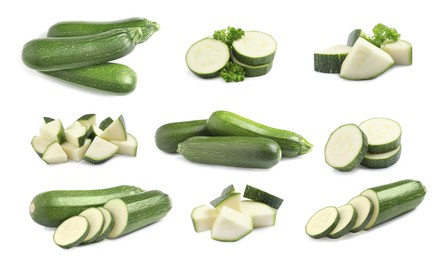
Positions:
{"x": 253, "y": 71}
{"x": 53, "y": 131}
{"x": 364, "y": 208}
{"x": 109, "y": 222}
{"x": 348, "y": 216}
{"x": 40, "y": 144}
{"x": 322, "y": 222}
{"x": 207, "y": 57}
{"x": 384, "y": 135}
{"x": 87, "y": 120}
{"x": 255, "y": 48}
{"x": 365, "y": 61}
{"x": 203, "y": 217}
{"x": 346, "y": 148}
{"x": 71, "y": 232}
{"x": 231, "y": 200}
{"x": 96, "y": 222}
{"x": 116, "y": 131}
{"x": 262, "y": 214}
{"x": 231, "y": 225}
{"x": 381, "y": 160}
{"x": 331, "y": 59}
{"x": 100, "y": 151}
{"x": 76, "y": 153}
{"x": 401, "y": 52}
{"x": 54, "y": 154}
{"x": 128, "y": 147}
{"x": 258, "y": 195}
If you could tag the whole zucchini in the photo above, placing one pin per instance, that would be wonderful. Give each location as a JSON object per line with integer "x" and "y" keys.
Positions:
{"x": 81, "y": 28}
{"x": 225, "y": 123}
{"x": 51, "y": 208}
{"x": 48, "y": 54}
{"x": 249, "y": 152}
{"x": 110, "y": 77}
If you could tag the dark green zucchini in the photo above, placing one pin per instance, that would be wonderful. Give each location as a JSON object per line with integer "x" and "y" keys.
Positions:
{"x": 81, "y": 28}
{"x": 110, "y": 77}
{"x": 259, "y": 195}
{"x": 48, "y": 54}
{"x": 250, "y": 152}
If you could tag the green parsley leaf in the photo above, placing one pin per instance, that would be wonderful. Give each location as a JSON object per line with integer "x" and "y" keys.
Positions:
{"x": 229, "y": 35}
{"x": 233, "y": 72}
{"x": 382, "y": 33}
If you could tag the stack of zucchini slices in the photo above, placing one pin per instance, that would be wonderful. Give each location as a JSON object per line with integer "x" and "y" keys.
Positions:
{"x": 375, "y": 143}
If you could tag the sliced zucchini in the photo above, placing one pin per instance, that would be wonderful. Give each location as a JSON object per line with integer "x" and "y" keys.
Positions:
{"x": 128, "y": 147}
{"x": 255, "y": 48}
{"x": 401, "y": 52}
{"x": 365, "y": 61}
{"x": 53, "y": 131}
{"x": 76, "y": 153}
{"x": 231, "y": 200}
{"x": 322, "y": 222}
{"x": 100, "y": 151}
{"x": 331, "y": 59}
{"x": 346, "y": 148}
{"x": 54, "y": 154}
{"x": 258, "y": 195}
{"x": 383, "y": 134}
{"x": 262, "y": 214}
{"x": 253, "y": 71}
{"x": 109, "y": 222}
{"x": 381, "y": 160}
{"x": 231, "y": 225}
{"x": 116, "y": 131}
{"x": 354, "y": 35}
{"x": 40, "y": 144}
{"x": 71, "y": 232}
{"x": 203, "y": 217}
{"x": 229, "y": 189}
{"x": 348, "y": 216}
{"x": 105, "y": 123}
{"x": 76, "y": 134}
{"x": 207, "y": 57}
{"x": 96, "y": 222}
{"x": 364, "y": 208}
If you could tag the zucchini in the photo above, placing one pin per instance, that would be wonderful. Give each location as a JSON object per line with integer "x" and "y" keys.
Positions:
{"x": 322, "y": 222}
{"x": 348, "y": 216}
{"x": 354, "y": 35}
{"x": 401, "y": 52}
{"x": 364, "y": 208}
{"x": 381, "y": 160}
{"x": 40, "y": 144}
{"x": 365, "y": 61}
{"x": 75, "y": 153}
{"x": 383, "y": 134}
{"x": 231, "y": 200}
{"x": 258, "y": 195}
{"x": 71, "y": 232}
{"x": 81, "y": 28}
{"x": 346, "y": 148}
{"x": 331, "y": 59}
{"x": 53, "y": 131}
{"x": 137, "y": 211}
{"x": 394, "y": 199}
{"x": 109, "y": 222}
{"x": 109, "y": 77}
{"x": 231, "y": 225}
{"x": 225, "y": 123}
{"x": 96, "y": 222}
{"x": 94, "y": 132}
{"x": 105, "y": 123}
{"x": 229, "y": 189}
{"x": 115, "y": 131}
{"x": 48, "y": 54}
{"x": 255, "y": 48}
{"x": 100, "y": 151}
{"x": 253, "y": 71}
{"x": 207, "y": 57}
{"x": 249, "y": 152}
{"x": 51, "y": 208}
{"x": 76, "y": 134}
{"x": 54, "y": 153}
{"x": 87, "y": 120}
{"x": 168, "y": 136}
{"x": 203, "y": 217}
{"x": 262, "y": 214}
{"x": 47, "y": 119}
{"x": 128, "y": 147}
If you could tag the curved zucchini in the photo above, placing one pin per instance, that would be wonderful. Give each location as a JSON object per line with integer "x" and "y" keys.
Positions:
{"x": 81, "y": 28}
{"x": 51, "y": 208}
{"x": 47, "y": 54}
{"x": 250, "y": 152}
{"x": 110, "y": 77}
{"x": 225, "y": 123}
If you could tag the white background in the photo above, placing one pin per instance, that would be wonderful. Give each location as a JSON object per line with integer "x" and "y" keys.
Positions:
{"x": 292, "y": 96}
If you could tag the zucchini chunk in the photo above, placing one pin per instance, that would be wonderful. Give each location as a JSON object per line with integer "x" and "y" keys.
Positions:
{"x": 231, "y": 225}
{"x": 100, "y": 151}
{"x": 54, "y": 154}
{"x": 203, "y": 217}
{"x": 401, "y": 52}
{"x": 262, "y": 214}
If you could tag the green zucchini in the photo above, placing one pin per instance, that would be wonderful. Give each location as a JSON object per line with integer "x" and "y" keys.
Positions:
{"x": 224, "y": 123}
{"x": 231, "y": 225}
{"x": 394, "y": 199}
{"x": 231, "y": 200}
{"x": 207, "y": 57}
{"x": 109, "y": 222}
{"x": 381, "y": 160}
{"x": 249, "y": 152}
{"x": 322, "y": 222}
{"x": 100, "y": 151}
{"x": 354, "y": 35}
{"x": 48, "y": 54}
{"x": 105, "y": 123}
{"x": 229, "y": 189}
{"x": 400, "y": 51}
{"x": 82, "y": 28}
{"x": 54, "y": 153}
{"x": 383, "y": 134}
{"x": 258, "y": 195}
{"x": 255, "y": 48}
{"x": 40, "y": 144}
{"x": 168, "y": 136}
{"x": 348, "y": 216}
{"x": 331, "y": 59}
{"x": 53, "y": 131}
{"x": 71, "y": 232}
{"x": 253, "y": 71}
{"x": 137, "y": 211}
{"x": 96, "y": 223}
{"x": 51, "y": 208}
{"x": 364, "y": 208}
{"x": 109, "y": 77}
{"x": 203, "y": 217}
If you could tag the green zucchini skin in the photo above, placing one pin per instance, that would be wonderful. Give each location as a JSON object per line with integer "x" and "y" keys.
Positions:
{"x": 51, "y": 208}
{"x": 328, "y": 63}
{"x": 82, "y": 28}
{"x": 395, "y": 199}
{"x": 168, "y": 136}
{"x": 224, "y": 123}
{"x": 48, "y": 54}
{"x": 109, "y": 77}
{"x": 258, "y": 195}
{"x": 248, "y": 152}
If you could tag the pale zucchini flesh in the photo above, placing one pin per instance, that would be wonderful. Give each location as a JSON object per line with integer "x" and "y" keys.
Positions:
{"x": 322, "y": 222}
{"x": 40, "y": 144}
{"x": 54, "y": 154}
{"x": 100, "y": 151}
{"x": 383, "y": 134}
{"x": 71, "y": 232}
{"x": 128, "y": 147}
{"x": 76, "y": 135}
{"x": 53, "y": 131}
{"x": 231, "y": 200}
{"x": 231, "y": 225}
{"x": 364, "y": 208}
{"x": 116, "y": 131}
{"x": 401, "y": 52}
{"x": 76, "y": 153}
{"x": 348, "y": 216}
{"x": 207, "y": 57}
{"x": 109, "y": 222}
{"x": 96, "y": 222}
{"x": 262, "y": 214}
{"x": 255, "y": 48}
{"x": 203, "y": 217}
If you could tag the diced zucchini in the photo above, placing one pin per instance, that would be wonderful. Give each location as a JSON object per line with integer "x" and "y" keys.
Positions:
{"x": 229, "y": 189}
{"x": 71, "y": 232}
{"x": 76, "y": 153}
{"x": 381, "y": 160}
{"x": 262, "y": 214}
{"x": 203, "y": 217}
{"x": 322, "y": 222}
{"x": 258, "y": 195}
{"x": 47, "y": 119}
{"x": 116, "y": 131}
{"x": 76, "y": 134}
{"x": 109, "y": 222}
{"x": 255, "y": 48}
{"x": 96, "y": 222}
{"x": 128, "y": 147}
{"x": 100, "y": 151}
{"x": 87, "y": 120}
{"x": 53, "y": 131}
{"x": 231, "y": 200}
{"x": 207, "y": 57}
{"x": 105, "y": 123}
{"x": 331, "y": 59}
{"x": 253, "y": 71}
{"x": 40, "y": 144}
{"x": 348, "y": 216}
{"x": 231, "y": 225}
{"x": 383, "y": 134}
{"x": 354, "y": 35}
{"x": 54, "y": 154}
{"x": 364, "y": 208}
{"x": 401, "y": 52}
{"x": 94, "y": 132}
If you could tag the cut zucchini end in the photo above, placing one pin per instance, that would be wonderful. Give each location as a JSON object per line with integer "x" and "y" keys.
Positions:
{"x": 364, "y": 208}
{"x": 207, "y": 57}
{"x": 231, "y": 225}
{"x": 120, "y": 214}
{"x": 71, "y": 232}
{"x": 306, "y": 146}
{"x": 348, "y": 216}
{"x": 372, "y": 196}
{"x": 322, "y": 222}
